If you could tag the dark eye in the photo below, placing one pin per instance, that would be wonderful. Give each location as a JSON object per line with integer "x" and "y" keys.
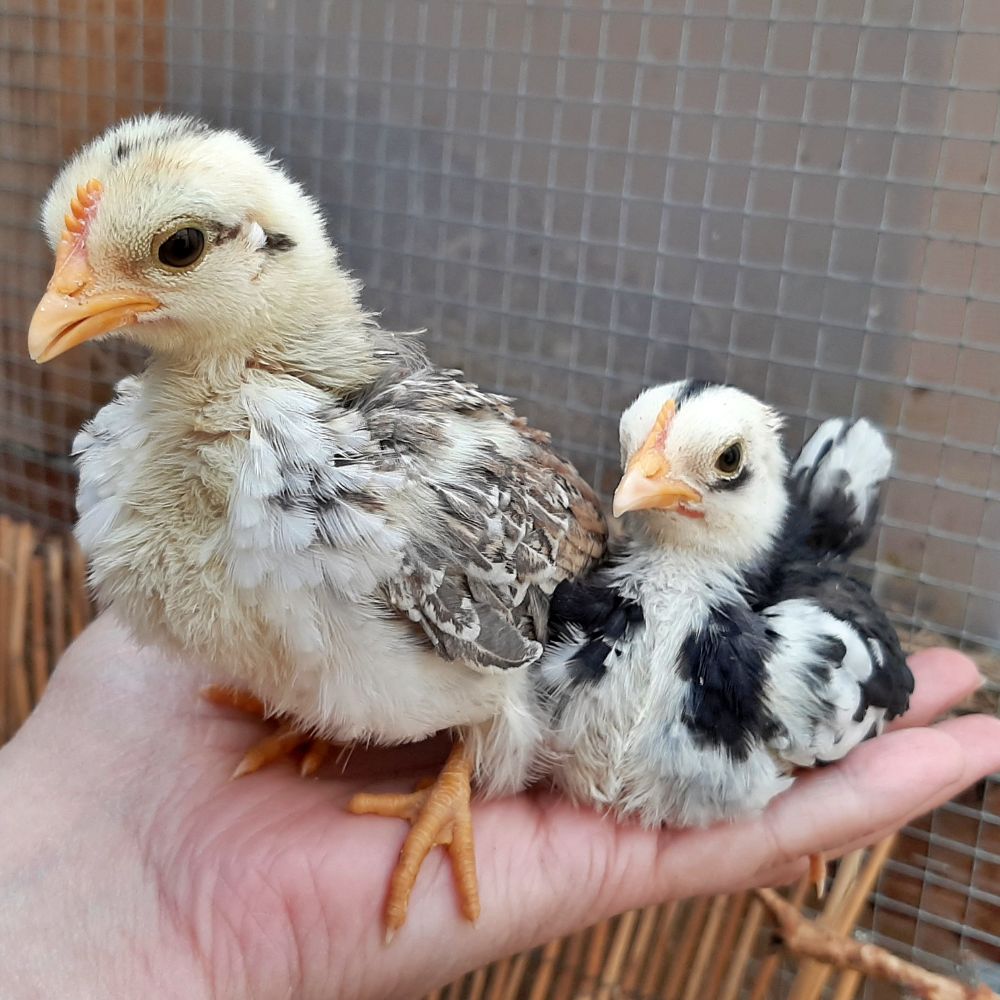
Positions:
{"x": 730, "y": 460}
{"x": 183, "y": 248}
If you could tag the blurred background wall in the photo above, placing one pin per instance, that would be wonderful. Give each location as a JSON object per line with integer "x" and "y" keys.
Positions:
{"x": 577, "y": 199}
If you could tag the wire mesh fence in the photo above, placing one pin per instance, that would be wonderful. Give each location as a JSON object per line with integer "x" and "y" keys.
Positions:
{"x": 577, "y": 199}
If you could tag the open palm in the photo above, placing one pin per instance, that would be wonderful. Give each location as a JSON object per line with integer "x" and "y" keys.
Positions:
{"x": 131, "y": 865}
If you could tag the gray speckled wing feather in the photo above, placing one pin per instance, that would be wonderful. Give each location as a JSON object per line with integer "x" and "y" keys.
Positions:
{"x": 505, "y": 528}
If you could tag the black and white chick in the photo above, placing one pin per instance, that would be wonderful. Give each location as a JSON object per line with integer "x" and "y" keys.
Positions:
{"x": 724, "y": 646}
{"x": 364, "y": 543}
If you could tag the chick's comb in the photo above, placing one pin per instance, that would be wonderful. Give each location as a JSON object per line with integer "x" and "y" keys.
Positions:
{"x": 649, "y": 458}
{"x": 81, "y": 208}
{"x": 71, "y": 272}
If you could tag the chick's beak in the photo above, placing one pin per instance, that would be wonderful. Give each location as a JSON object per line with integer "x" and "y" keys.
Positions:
{"x": 68, "y": 314}
{"x": 659, "y": 491}
{"x": 72, "y": 310}
{"x": 648, "y": 483}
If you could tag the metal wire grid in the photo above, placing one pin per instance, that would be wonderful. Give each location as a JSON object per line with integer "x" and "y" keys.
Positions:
{"x": 579, "y": 199}
{"x": 579, "y": 202}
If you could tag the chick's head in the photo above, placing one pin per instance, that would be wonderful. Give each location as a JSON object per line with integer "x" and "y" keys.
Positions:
{"x": 704, "y": 469}
{"x": 187, "y": 239}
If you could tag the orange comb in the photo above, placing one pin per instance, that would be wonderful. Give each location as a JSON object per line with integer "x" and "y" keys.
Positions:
{"x": 71, "y": 272}
{"x": 649, "y": 458}
{"x": 81, "y": 208}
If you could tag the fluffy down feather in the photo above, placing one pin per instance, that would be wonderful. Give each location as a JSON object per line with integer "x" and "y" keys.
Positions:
{"x": 692, "y": 676}
{"x": 294, "y": 495}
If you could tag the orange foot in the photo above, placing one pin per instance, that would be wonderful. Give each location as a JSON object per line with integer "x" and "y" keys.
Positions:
{"x": 282, "y": 743}
{"x": 440, "y": 815}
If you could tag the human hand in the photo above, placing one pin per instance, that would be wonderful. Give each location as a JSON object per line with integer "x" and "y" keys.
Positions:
{"x": 130, "y": 865}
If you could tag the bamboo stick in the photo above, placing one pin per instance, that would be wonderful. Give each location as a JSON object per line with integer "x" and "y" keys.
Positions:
{"x": 546, "y": 971}
{"x": 847, "y": 985}
{"x": 6, "y": 586}
{"x": 498, "y": 981}
{"x": 685, "y": 949}
{"x": 611, "y": 972}
{"x": 706, "y": 948}
{"x": 772, "y": 962}
{"x": 56, "y": 578}
{"x": 39, "y": 637}
{"x": 744, "y": 948}
{"x": 813, "y": 975}
{"x": 21, "y": 546}
{"x": 804, "y": 937}
{"x": 640, "y": 947}
{"x": 730, "y": 929}
{"x": 515, "y": 976}
{"x": 572, "y": 954}
{"x": 659, "y": 959}
{"x": 843, "y": 883}
{"x": 595, "y": 953}
{"x": 477, "y": 984}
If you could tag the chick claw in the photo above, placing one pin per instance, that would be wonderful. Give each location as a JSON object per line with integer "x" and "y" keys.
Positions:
{"x": 280, "y": 744}
{"x": 440, "y": 814}
{"x": 817, "y": 874}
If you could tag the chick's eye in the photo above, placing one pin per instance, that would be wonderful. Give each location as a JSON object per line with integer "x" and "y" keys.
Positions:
{"x": 730, "y": 460}
{"x": 182, "y": 248}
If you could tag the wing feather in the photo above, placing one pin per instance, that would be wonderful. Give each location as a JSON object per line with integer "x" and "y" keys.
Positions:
{"x": 504, "y": 527}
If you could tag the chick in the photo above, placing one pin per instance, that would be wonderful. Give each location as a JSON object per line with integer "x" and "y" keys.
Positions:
{"x": 361, "y": 542}
{"x": 724, "y": 647}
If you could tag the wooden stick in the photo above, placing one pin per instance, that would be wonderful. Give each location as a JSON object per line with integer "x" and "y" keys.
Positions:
{"x": 804, "y": 938}
{"x": 661, "y": 955}
{"x": 866, "y": 882}
{"x": 499, "y": 979}
{"x": 478, "y": 985}
{"x": 6, "y": 586}
{"x": 847, "y": 986}
{"x": 843, "y": 884}
{"x": 812, "y": 977}
{"x": 39, "y": 635}
{"x": 572, "y": 955}
{"x": 744, "y": 948}
{"x": 772, "y": 962}
{"x": 595, "y": 953}
{"x": 706, "y": 948}
{"x": 546, "y": 970}
{"x": 56, "y": 578}
{"x": 640, "y": 946}
{"x": 611, "y": 972}
{"x": 516, "y": 976}
{"x": 734, "y": 911}
{"x": 685, "y": 949}
{"x": 17, "y": 665}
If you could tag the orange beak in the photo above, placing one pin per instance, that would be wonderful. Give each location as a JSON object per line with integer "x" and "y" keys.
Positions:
{"x": 70, "y": 312}
{"x": 647, "y": 483}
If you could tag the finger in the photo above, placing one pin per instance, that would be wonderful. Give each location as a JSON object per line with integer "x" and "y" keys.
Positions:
{"x": 878, "y": 789}
{"x": 943, "y": 678}
{"x": 977, "y": 733}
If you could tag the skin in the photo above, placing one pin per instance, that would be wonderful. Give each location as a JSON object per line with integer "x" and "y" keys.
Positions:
{"x": 131, "y": 866}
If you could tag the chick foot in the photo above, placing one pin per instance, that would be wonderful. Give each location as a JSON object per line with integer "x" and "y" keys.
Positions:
{"x": 440, "y": 814}
{"x": 283, "y": 743}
